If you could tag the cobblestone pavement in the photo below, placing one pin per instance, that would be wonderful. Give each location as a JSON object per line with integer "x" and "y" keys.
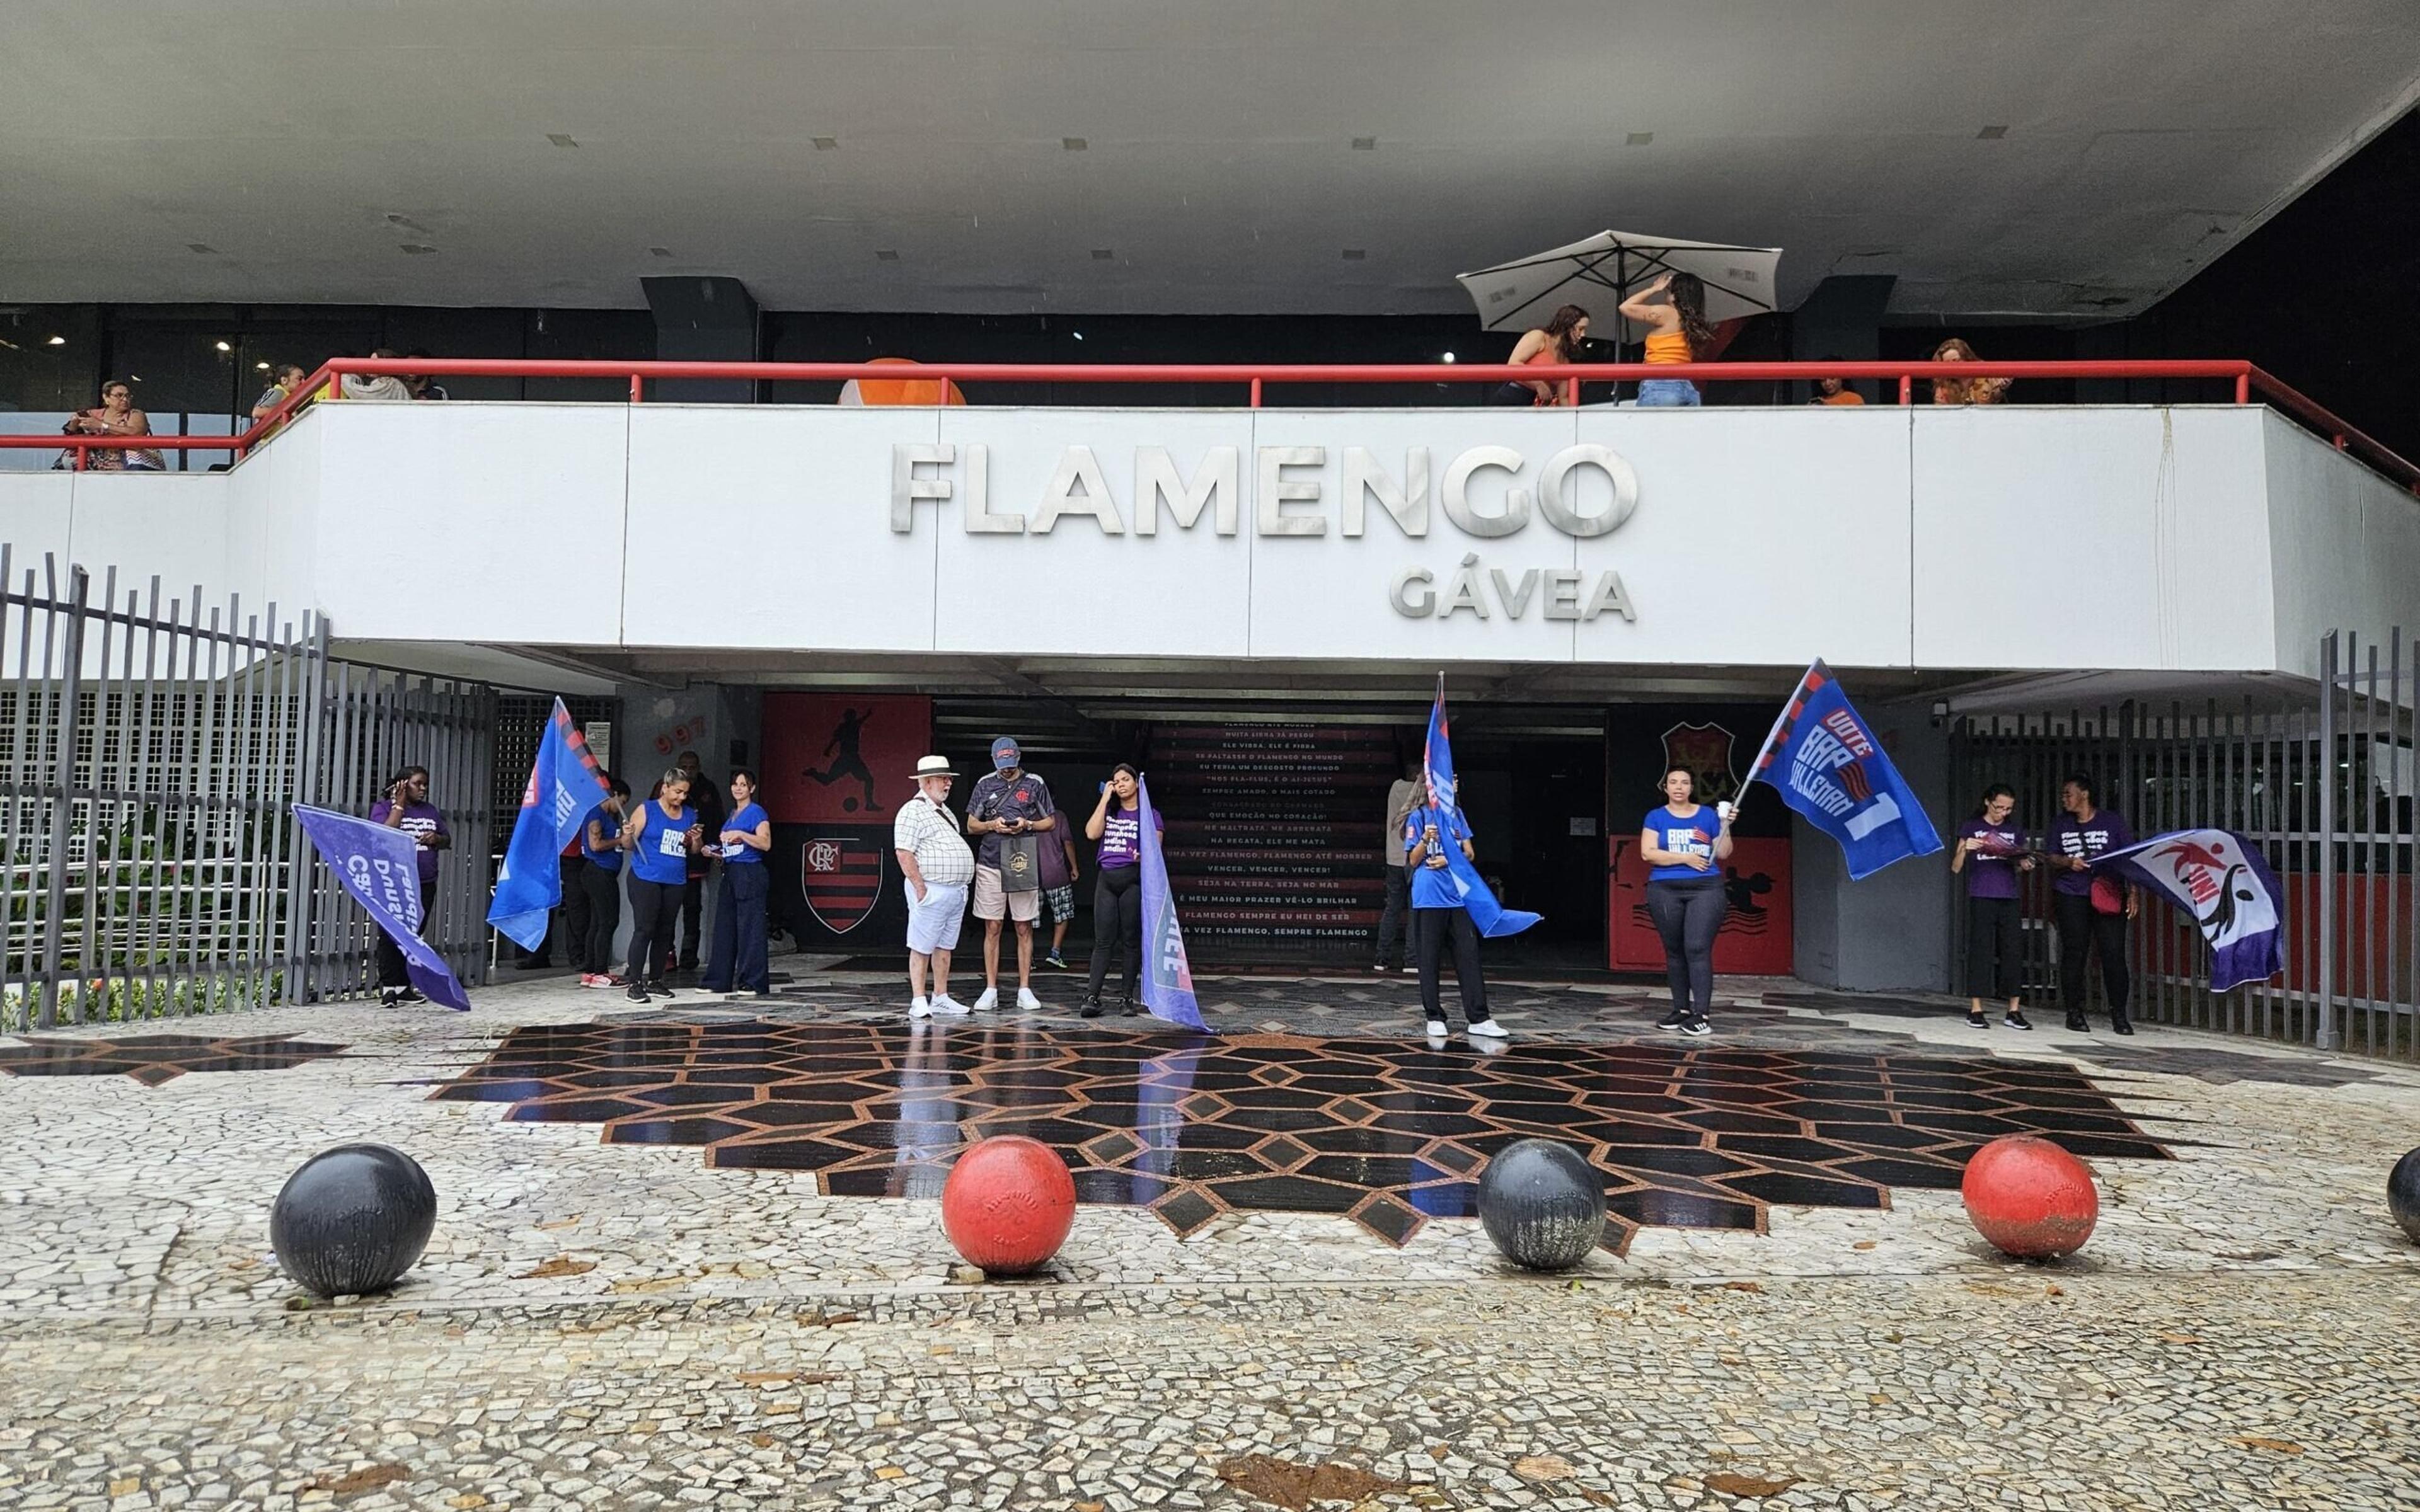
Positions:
{"x": 610, "y": 1326}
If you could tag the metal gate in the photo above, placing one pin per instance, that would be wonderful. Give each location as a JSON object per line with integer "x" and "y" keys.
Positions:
{"x": 150, "y": 750}
{"x": 2337, "y": 828}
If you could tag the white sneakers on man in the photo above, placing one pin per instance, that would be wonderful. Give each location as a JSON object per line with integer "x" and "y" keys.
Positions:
{"x": 1487, "y": 1029}
{"x": 1027, "y": 1002}
{"x": 944, "y": 1003}
{"x": 988, "y": 1002}
{"x": 919, "y": 1008}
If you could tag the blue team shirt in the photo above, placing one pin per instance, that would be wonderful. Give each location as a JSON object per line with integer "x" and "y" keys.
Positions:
{"x": 662, "y": 855}
{"x": 606, "y": 820}
{"x": 1693, "y": 836}
{"x": 748, "y": 818}
{"x": 1433, "y": 886}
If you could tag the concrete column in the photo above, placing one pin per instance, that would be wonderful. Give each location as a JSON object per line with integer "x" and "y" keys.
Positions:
{"x": 1842, "y": 318}
{"x": 1892, "y": 931}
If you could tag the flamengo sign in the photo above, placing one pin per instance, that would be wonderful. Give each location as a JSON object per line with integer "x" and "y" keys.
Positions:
{"x": 1299, "y": 492}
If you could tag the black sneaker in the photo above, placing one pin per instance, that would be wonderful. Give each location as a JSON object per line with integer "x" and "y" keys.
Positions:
{"x": 1090, "y": 1008}
{"x": 1975, "y": 1019}
{"x": 1696, "y": 1026}
{"x": 656, "y": 989}
{"x": 2121, "y": 1024}
{"x": 1677, "y": 1019}
{"x": 2015, "y": 1019}
{"x": 638, "y": 992}
{"x": 2076, "y": 1025}
{"x": 1129, "y": 1008}
{"x": 409, "y": 994}
{"x": 389, "y": 997}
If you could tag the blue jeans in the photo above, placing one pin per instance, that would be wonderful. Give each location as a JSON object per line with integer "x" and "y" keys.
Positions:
{"x": 1656, "y": 394}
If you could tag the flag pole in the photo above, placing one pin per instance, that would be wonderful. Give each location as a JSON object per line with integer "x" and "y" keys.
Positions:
{"x": 1772, "y": 735}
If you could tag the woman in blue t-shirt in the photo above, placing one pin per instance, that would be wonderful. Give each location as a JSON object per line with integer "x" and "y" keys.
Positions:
{"x": 600, "y": 878}
{"x": 1439, "y": 920}
{"x": 737, "y": 958}
{"x": 659, "y": 837}
{"x": 1117, "y": 883}
{"x": 1685, "y": 844}
{"x": 1991, "y": 852}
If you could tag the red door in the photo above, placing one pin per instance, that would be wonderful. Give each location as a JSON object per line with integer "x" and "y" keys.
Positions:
{"x": 1755, "y": 937}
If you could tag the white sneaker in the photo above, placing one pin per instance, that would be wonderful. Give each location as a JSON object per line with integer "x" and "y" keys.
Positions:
{"x": 1027, "y": 1002}
{"x": 1436, "y": 1028}
{"x": 919, "y": 1008}
{"x": 944, "y": 1003}
{"x": 1489, "y": 1029}
{"x": 989, "y": 1000}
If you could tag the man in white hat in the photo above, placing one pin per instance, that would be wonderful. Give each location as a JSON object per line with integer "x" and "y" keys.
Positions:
{"x": 934, "y": 859}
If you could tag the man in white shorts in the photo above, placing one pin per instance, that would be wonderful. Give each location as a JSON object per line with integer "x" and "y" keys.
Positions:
{"x": 934, "y": 859}
{"x": 1009, "y": 803}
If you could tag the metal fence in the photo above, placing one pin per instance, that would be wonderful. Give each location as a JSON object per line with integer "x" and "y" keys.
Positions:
{"x": 151, "y": 751}
{"x": 2322, "y": 783}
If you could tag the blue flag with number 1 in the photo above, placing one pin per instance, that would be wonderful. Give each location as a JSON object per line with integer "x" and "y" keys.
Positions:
{"x": 1825, "y": 760}
{"x": 564, "y": 785}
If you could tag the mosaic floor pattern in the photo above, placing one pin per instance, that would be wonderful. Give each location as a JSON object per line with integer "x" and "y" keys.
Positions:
{"x": 1386, "y": 1131}
{"x": 155, "y": 1058}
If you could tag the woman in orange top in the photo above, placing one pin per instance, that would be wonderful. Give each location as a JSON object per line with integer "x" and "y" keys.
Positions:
{"x": 1558, "y": 343}
{"x": 1965, "y": 391}
{"x": 1676, "y": 333}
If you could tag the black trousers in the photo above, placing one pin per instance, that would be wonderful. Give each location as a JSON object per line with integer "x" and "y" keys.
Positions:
{"x": 739, "y": 956}
{"x": 1117, "y": 924}
{"x": 1390, "y": 921}
{"x": 1994, "y": 947}
{"x": 692, "y": 904}
{"x": 1432, "y": 928}
{"x": 389, "y": 955}
{"x": 653, "y": 906}
{"x": 569, "y": 923}
{"x": 1688, "y": 915}
{"x": 2079, "y": 929}
{"x": 601, "y": 892}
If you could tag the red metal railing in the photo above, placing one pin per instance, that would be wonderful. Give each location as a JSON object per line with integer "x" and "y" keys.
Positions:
{"x": 2249, "y": 382}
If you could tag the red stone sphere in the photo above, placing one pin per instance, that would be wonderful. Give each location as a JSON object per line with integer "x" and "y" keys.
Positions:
{"x": 1008, "y": 1205}
{"x": 2030, "y": 1198}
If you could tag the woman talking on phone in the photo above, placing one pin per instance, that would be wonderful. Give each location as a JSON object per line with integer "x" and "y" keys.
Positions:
{"x": 406, "y": 806}
{"x": 1117, "y": 883}
{"x": 659, "y": 836}
{"x": 1685, "y": 844}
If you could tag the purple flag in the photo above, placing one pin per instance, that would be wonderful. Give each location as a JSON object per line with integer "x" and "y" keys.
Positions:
{"x": 1167, "y": 975}
{"x": 380, "y": 865}
{"x": 2224, "y": 883}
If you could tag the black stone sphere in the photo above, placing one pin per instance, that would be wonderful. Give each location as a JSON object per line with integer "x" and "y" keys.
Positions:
{"x": 353, "y": 1220}
{"x": 1543, "y": 1205}
{"x": 2403, "y": 1194}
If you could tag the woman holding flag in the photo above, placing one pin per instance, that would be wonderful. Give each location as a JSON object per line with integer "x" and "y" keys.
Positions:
{"x": 1439, "y": 913}
{"x": 1685, "y": 844}
{"x": 1116, "y": 824}
{"x": 659, "y": 837}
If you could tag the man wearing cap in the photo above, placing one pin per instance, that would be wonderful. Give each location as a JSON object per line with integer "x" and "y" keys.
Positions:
{"x": 934, "y": 859}
{"x": 1009, "y": 803}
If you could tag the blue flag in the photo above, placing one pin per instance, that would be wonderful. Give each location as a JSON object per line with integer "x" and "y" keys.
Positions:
{"x": 380, "y": 865}
{"x": 1167, "y": 975}
{"x": 2224, "y": 883}
{"x": 1825, "y": 760}
{"x": 564, "y": 785}
{"x": 1478, "y": 900}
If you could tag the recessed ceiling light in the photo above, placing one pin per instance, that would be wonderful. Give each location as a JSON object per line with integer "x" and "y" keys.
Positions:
{"x": 57, "y": 341}
{"x": 1077, "y": 335}
{"x": 200, "y": 248}
{"x": 1074, "y": 143}
{"x": 560, "y": 139}
{"x": 1448, "y": 357}
{"x": 1354, "y": 254}
{"x": 826, "y": 144}
{"x": 1638, "y": 139}
{"x": 262, "y": 367}
{"x": 1990, "y": 134}
{"x": 413, "y": 249}
{"x": 223, "y": 345}
{"x": 659, "y": 251}
{"x": 1102, "y": 254}
{"x": 885, "y": 255}
{"x": 1365, "y": 144}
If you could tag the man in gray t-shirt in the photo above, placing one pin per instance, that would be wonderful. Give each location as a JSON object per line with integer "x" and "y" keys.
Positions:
{"x": 1011, "y": 801}
{"x": 1402, "y": 799}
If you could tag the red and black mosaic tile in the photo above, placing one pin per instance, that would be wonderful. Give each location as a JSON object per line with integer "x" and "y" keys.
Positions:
{"x": 154, "y": 1058}
{"x": 1386, "y": 1131}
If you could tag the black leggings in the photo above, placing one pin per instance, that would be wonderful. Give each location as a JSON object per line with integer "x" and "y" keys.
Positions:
{"x": 1432, "y": 928}
{"x": 654, "y": 907}
{"x": 2080, "y": 930}
{"x": 1688, "y": 915}
{"x": 1994, "y": 948}
{"x": 1117, "y": 920}
{"x": 389, "y": 955}
{"x": 603, "y": 890}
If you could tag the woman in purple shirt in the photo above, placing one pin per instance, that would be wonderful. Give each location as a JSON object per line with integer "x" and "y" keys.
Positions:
{"x": 1991, "y": 852}
{"x": 2091, "y": 910}
{"x": 406, "y": 806}
{"x": 1117, "y": 886}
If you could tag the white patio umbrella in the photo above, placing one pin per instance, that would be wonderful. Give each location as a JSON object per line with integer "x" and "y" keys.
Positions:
{"x": 1523, "y": 293}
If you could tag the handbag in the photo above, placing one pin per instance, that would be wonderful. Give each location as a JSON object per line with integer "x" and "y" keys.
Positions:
{"x": 1020, "y": 863}
{"x": 2108, "y": 896}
